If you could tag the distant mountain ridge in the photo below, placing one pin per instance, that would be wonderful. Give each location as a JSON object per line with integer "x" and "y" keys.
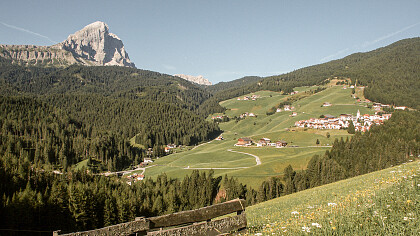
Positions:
{"x": 391, "y": 75}
{"x": 195, "y": 79}
{"x": 93, "y": 45}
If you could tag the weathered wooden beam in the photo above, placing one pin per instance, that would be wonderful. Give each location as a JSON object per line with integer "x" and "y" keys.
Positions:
{"x": 119, "y": 229}
{"x": 211, "y": 228}
{"x": 198, "y": 215}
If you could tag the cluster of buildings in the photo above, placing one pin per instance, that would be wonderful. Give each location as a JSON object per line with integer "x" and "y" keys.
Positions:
{"x": 133, "y": 178}
{"x": 218, "y": 117}
{"x": 247, "y": 114}
{"x": 378, "y": 106}
{"x": 361, "y": 122}
{"x": 286, "y": 108}
{"x": 263, "y": 142}
{"x": 246, "y": 98}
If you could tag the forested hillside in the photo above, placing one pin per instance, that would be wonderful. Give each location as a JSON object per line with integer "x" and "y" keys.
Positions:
{"x": 110, "y": 81}
{"x": 57, "y": 117}
{"x": 233, "y": 84}
{"x": 391, "y": 74}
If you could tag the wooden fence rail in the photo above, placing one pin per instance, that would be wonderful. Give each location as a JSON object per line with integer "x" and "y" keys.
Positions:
{"x": 193, "y": 222}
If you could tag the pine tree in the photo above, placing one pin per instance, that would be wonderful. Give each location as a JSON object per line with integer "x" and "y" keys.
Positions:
{"x": 351, "y": 129}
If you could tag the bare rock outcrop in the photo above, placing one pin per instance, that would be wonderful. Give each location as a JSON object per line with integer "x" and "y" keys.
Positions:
{"x": 92, "y": 45}
{"x": 195, "y": 79}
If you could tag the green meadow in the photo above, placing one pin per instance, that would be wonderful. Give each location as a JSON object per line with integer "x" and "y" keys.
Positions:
{"x": 379, "y": 203}
{"x": 223, "y": 156}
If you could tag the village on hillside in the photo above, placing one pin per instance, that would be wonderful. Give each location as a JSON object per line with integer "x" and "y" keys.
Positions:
{"x": 361, "y": 122}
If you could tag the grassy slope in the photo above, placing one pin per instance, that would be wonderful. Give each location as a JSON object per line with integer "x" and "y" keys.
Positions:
{"x": 274, "y": 160}
{"x": 383, "y": 203}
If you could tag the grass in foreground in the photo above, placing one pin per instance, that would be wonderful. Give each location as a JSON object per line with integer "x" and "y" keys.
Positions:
{"x": 386, "y": 202}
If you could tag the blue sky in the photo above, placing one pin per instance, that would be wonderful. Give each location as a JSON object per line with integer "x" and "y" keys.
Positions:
{"x": 221, "y": 40}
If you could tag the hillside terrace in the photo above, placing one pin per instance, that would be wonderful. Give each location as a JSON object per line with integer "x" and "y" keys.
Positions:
{"x": 361, "y": 123}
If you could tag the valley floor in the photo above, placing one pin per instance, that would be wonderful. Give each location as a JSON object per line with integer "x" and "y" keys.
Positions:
{"x": 242, "y": 162}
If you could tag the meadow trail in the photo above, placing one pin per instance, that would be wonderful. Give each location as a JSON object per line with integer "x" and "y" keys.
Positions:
{"x": 257, "y": 159}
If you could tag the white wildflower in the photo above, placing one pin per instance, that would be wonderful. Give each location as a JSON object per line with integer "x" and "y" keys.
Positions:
{"x": 405, "y": 218}
{"x": 295, "y": 213}
{"x": 306, "y": 229}
{"x": 316, "y": 225}
{"x": 332, "y": 204}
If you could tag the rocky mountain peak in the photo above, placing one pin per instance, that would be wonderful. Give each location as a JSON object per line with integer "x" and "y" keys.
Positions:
{"x": 93, "y": 45}
{"x": 195, "y": 79}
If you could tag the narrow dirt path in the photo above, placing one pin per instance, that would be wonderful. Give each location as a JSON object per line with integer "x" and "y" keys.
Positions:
{"x": 257, "y": 159}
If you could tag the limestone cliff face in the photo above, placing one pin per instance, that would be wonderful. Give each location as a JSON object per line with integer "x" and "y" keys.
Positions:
{"x": 92, "y": 45}
{"x": 195, "y": 79}
{"x": 35, "y": 55}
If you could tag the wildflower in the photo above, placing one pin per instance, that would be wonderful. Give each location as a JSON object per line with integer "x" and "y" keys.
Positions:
{"x": 405, "y": 218}
{"x": 258, "y": 234}
{"x": 306, "y": 229}
{"x": 295, "y": 213}
{"x": 316, "y": 225}
{"x": 332, "y": 204}
{"x": 408, "y": 201}
{"x": 333, "y": 228}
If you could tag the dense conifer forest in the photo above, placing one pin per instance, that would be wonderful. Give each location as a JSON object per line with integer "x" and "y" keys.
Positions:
{"x": 221, "y": 86}
{"x": 61, "y": 116}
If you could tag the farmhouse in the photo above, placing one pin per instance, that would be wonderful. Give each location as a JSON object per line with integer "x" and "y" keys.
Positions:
{"x": 281, "y": 144}
{"x": 244, "y": 142}
{"x": 148, "y": 160}
{"x": 263, "y": 142}
{"x": 326, "y": 104}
